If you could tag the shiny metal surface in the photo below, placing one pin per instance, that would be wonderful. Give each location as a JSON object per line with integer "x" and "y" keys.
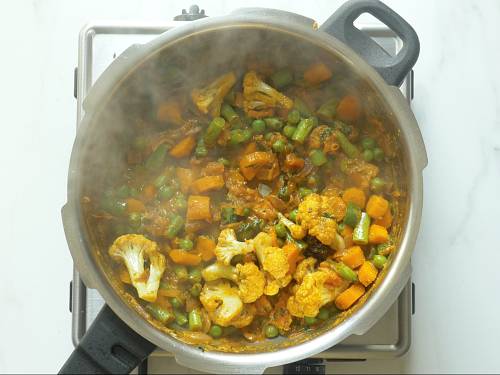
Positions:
{"x": 361, "y": 320}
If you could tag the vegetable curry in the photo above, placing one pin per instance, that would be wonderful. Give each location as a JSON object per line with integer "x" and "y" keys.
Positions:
{"x": 262, "y": 206}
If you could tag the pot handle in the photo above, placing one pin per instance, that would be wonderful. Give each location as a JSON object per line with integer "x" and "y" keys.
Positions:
{"x": 109, "y": 347}
{"x": 392, "y": 68}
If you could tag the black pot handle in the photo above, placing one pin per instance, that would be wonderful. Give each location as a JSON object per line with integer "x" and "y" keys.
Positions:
{"x": 109, "y": 347}
{"x": 392, "y": 68}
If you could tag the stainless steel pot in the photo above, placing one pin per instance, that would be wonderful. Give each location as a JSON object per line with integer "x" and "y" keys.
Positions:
{"x": 117, "y": 343}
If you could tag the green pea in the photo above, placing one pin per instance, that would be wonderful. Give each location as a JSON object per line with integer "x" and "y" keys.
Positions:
{"x": 341, "y": 227}
{"x": 181, "y": 272}
{"x": 303, "y": 192}
{"x": 195, "y": 290}
{"x": 273, "y": 123}
{"x": 194, "y": 275}
{"x": 271, "y": 331}
{"x": 293, "y": 117}
{"x": 123, "y": 191}
{"x": 289, "y": 130}
{"x": 283, "y": 193}
{"x": 323, "y": 314}
{"x": 293, "y": 215}
{"x": 279, "y": 146}
{"x": 165, "y": 192}
{"x": 317, "y": 157}
{"x": 160, "y": 180}
{"x": 378, "y": 154}
{"x": 180, "y": 203}
{"x": 379, "y": 261}
{"x": 258, "y": 126}
{"x": 118, "y": 207}
{"x": 180, "y": 318}
{"x": 368, "y": 155}
{"x": 334, "y": 311}
{"x": 280, "y": 229}
{"x": 215, "y": 331}
{"x": 377, "y": 184}
{"x": 186, "y": 244}
{"x": 135, "y": 220}
{"x": 176, "y": 303}
{"x": 268, "y": 136}
{"x": 134, "y": 193}
{"x": 223, "y": 161}
{"x": 310, "y": 320}
{"x": 368, "y": 143}
{"x": 246, "y": 211}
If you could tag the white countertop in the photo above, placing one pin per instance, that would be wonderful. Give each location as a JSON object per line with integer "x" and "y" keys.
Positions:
{"x": 457, "y": 104}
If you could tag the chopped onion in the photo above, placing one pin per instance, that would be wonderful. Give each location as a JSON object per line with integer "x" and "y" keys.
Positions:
{"x": 264, "y": 190}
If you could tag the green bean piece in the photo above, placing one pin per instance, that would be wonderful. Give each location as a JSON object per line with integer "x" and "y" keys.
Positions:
{"x": 303, "y": 129}
{"x": 194, "y": 275}
{"x": 213, "y": 131}
{"x": 304, "y": 192}
{"x": 378, "y": 154}
{"x": 317, "y": 157}
{"x": 293, "y": 215}
{"x": 249, "y": 229}
{"x": 176, "y": 303}
{"x": 195, "y": 290}
{"x": 239, "y": 136}
{"x": 289, "y": 130}
{"x": 360, "y": 233}
{"x": 377, "y": 184}
{"x": 349, "y": 149}
{"x": 201, "y": 150}
{"x": 310, "y": 320}
{"x": 281, "y": 78}
{"x": 344, "y": 128}
{"x": 280, "y": 230}
{"x": 159, "y": 313}
{"x": 160, "y": 180}
{"x": 180, "y": 203}
{"x": 180, "y": 317}
{"x": 175, "y": 226}
{"x": 302, "y": 245}
{"x": 181, "y": 272}
{"x": 271, "y": 331}
{"x": 157, "y": 158}
{"x": 302, "y": 107}
{"x": 186, "y": 244}
{"x": 224, "y": 162}
{"x": 279, "y": 146}
{"x": 345, "y": 272}
{"x": 273, "y": 123}
{"x": 379, "y": 261}
{"x": 258, "y": 126}
{"x": 165, "y": 192}
{"x": 368, "y": 143}
{"x": 367, "y": 155}
{"x": 341, "y": 227}
{"x": 293, "y": 117}
{"x": 195, "y": 322}
{"x": 381, "y": 248}
{"x": 123, "y": 191}
{"x": 230, "y": 114}
{"x": 215, "y": 331}
{"x": 246, "y": 211}
{"x": 328, "y": 110}
{"x": 323, "y": 314}
{"x": 283, "y": 193}
{"x": 228, "y": 215}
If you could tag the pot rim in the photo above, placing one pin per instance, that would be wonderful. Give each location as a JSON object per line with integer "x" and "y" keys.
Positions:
{"x": 385, "y": 293}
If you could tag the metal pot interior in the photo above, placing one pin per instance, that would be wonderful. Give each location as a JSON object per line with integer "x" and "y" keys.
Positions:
{"x": 173, "y": 71}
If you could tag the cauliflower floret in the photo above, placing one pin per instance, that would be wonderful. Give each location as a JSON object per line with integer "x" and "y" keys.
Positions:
{"x": 245, "y": 317}
{"x": 274, "y": 263}
{"x": 228, "y": 246}
{"x": 222, "y": 302}
{"x": 316, "y": 290}
{"x": 260, "y": 99}
{"x": 303, "y": 268}
{"x": 133, "y": 249}
{"x": 209, "y": 99}
{"x": 250, "y": 279}
{"x": 296, "y": 230}
{"x": 318, "y": 214}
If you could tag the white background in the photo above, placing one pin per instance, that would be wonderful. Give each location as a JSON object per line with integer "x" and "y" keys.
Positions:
{"x": 457, "y": 103}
